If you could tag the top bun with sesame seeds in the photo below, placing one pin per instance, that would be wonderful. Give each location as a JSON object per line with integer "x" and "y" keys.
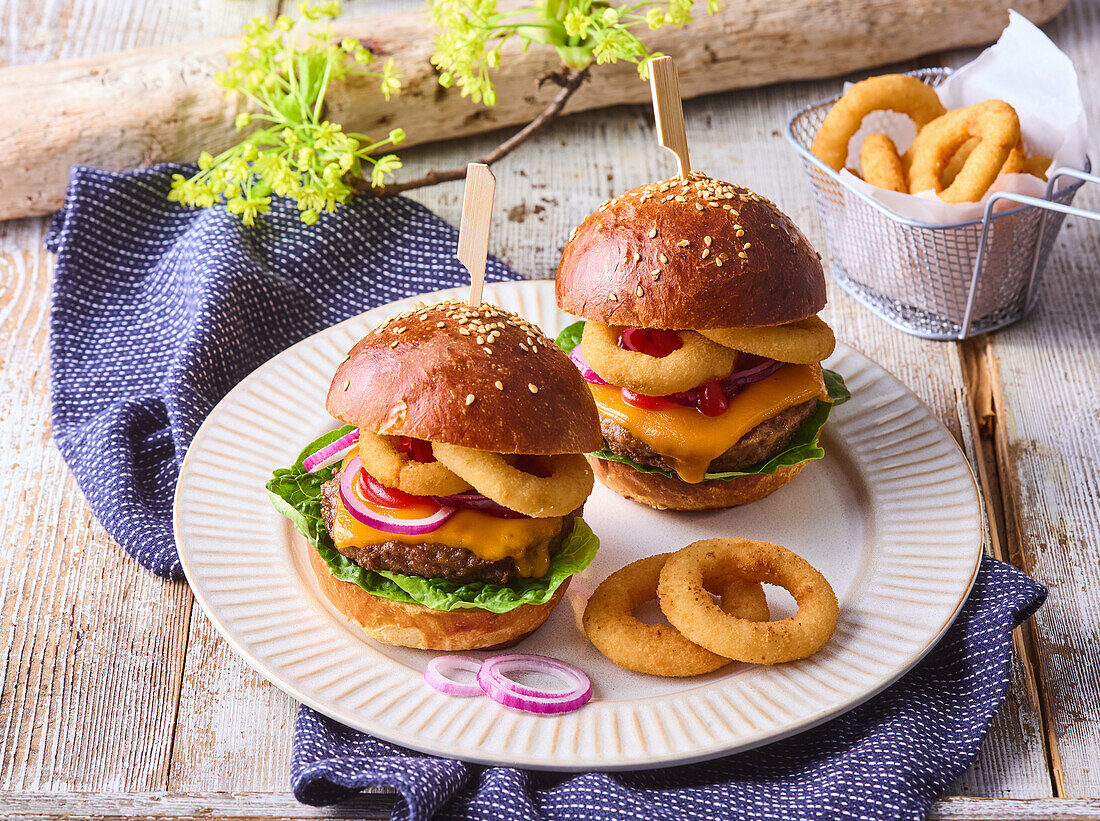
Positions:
{"x": 481, "y": 378}
{"x": 690, "y": 254}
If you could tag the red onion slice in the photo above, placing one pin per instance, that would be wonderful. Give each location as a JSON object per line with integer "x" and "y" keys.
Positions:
{"x": 472, "y": 500}
{"x": 316, "y": 459}
{"x": 404, "y": 527}
{"x": 438, "y": 670}
{"x": 504, "y": 690}
{"x": 590, "y": 376}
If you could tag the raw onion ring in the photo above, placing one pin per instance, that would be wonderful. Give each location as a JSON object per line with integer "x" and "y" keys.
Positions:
{"x": 382, "y": 460}
{"x": 562, "y": 492}
{"x": 804, "y": 342}
{"x": 881, "y": 164}
{"x": 436, "y": 675}
{"x": 685, "y": 603}
{"x": 510, "y": 693}
{"x": 698, "y": 361}
{"x": 994, "y": 122}
{"x": 894, "y": 92}
{"x": 659, "y": 649}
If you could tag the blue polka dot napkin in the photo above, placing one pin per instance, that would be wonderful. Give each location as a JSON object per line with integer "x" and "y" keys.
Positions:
{"x": 158, "y": 310}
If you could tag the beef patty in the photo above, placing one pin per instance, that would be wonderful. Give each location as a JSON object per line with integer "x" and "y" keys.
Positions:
{"x": 766, "y": 440}
{"x": 433, "y": 561}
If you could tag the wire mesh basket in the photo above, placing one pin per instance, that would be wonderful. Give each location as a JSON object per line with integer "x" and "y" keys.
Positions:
{"x": 941, "y": 281}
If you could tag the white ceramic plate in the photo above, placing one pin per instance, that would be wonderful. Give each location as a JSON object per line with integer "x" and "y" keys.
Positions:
{"x": 891, "y": 517}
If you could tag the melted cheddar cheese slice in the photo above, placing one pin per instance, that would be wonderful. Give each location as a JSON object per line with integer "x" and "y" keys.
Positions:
{"x": 689, "y": 440}
{"x": 526, "y": 541}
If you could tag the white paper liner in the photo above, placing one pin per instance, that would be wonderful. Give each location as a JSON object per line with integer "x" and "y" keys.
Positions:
{"x": 1026, "y": 70}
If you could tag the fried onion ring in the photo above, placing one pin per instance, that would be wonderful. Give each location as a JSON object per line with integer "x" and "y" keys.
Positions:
{"x": 894, "y": 92}
{"x": 658, "y": 649}
{"x": 1037, "y": 165}
{"x": 685, "y": 603}
{"x": 881, "y": 164}
{"x": 562, "y": 492}
{"x": 1015, "y": 164}
{"x": 382, "y": 460}
{"x": 698, "y": 361}
{"x": 994, "y": 122}
{"x": 805, "y": 342}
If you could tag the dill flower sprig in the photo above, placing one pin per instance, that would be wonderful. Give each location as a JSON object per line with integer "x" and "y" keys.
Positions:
{"x": 284, "y": 68}
{"x": 473, "y": 32}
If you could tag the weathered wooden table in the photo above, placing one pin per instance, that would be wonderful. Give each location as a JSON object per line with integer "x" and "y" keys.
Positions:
{"x": 117, "y": 697}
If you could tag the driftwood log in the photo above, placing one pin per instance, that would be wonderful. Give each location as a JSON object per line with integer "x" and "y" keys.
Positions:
{"x": 140, "y": 107}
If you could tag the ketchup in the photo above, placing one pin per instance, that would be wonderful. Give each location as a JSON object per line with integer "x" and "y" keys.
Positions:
{"x": 650, "y": 341}
{"x": 376, "y": 492}
{"x": 711, "y": 398}
{"x": 419, "y": 450}
{"x": 641, "y": 400}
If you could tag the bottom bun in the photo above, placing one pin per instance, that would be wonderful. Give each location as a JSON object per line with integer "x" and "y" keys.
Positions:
{"x": 659, "y": 491}
{"x": 413, "y": 625}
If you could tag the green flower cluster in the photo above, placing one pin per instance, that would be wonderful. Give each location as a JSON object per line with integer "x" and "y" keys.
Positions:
{"x": 472, "y": 33}
{"x": 283, "y": 69}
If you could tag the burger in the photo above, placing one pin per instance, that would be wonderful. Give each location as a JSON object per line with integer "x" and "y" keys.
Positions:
{"x": 452, "y": 520}
{"x": 700, "y": 342}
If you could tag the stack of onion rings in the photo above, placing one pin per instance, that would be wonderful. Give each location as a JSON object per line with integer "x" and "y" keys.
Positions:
{"x": 994, "y": 122}
{"x": 804, "y": 342}
{"x": 698, "y": 360}
{"x": 382, "y": 460}
{"x": 562, "y": 492}
{"x": 658, "y": 649}
{"x": 682, "y": 591}
{"x": 893, "y": 92}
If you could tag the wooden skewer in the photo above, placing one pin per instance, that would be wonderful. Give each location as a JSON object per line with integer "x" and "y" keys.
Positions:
{"x": 473, "y": 231}
{"x": 668, "y": 109}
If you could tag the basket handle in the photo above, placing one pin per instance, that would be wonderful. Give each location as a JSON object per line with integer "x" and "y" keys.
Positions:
{"x": 1047, "y": 205}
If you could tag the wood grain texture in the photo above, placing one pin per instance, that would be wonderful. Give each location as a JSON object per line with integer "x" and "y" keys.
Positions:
{"x": 160, "y": 104}
{"x": 1048, "y": 438}
{"x": 94, "y": 645}
{"x": 253, "y": 806}
{"x": 70, "y": 722}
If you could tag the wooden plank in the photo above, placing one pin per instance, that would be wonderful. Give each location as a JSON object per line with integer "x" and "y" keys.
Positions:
{"x": 1046, "y": 383}
{"x": 253, "y": 806}
{"x": 160, "y": 104}
{"x": 90, "y": 670}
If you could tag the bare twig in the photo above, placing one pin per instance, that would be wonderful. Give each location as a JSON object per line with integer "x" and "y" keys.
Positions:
{"x": 568, "y": 79}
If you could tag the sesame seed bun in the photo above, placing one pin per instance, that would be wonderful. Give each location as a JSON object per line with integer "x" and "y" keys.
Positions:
{"x": 481, "y": 378}
{"x": 691, "y": 254}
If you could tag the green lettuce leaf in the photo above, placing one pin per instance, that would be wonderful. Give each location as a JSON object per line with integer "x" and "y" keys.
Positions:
{"x": 804, "y": 447}
{"x": 296, "y": 494}
{"x": 570, "y": 337}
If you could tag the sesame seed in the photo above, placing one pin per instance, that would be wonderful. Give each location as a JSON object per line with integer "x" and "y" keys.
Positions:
{"x": 748, "y": 245}
{"x": 499, "y": 385}
{"x": 740, "y": 233}
{"x": 464, "y": 331}
{"x": 640, "y": 292}
{"x": 614, "y": 297}
{"x": 652, "y": 233}
{"x": 742, "y": 254}
{"x": 656, "y": 272}
{"x": 698, "y": 206}
{"x": 393, "y": 344}
{"x": 708, "y": 240}
{"x": 664, "y": 259}
{"x": 470, "y": 398}
{"x": 684, "y": 243}
{"x": 488, "y": 351}
{"x": 718, "y": 261}
{"x": 532, "y": 387}
{"x": 441, "y": 324}
{"x": 706, "y": 253}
